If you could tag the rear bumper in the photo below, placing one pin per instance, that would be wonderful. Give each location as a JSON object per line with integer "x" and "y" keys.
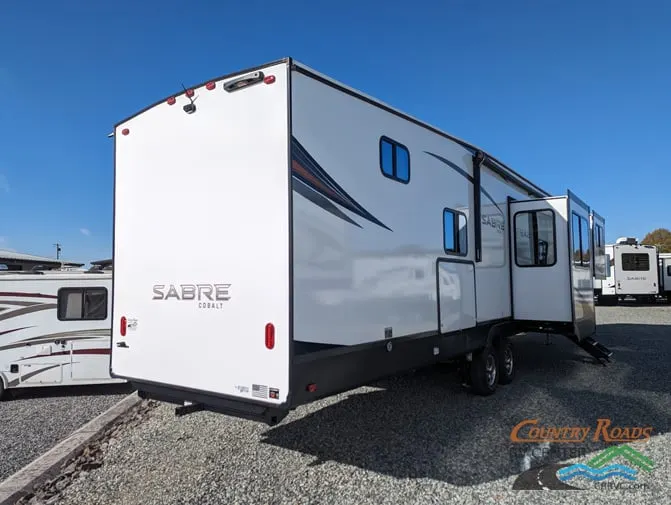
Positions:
{"x": 223, "y": 405}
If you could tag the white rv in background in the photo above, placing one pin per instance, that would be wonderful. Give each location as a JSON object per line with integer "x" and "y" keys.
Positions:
{"x": 327, "y": 240}
{"x": 54, "y": 328}
{"x": 632, "y": 272}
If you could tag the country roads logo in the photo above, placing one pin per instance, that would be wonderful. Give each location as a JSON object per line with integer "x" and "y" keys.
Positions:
{"x": 529, "y": 431}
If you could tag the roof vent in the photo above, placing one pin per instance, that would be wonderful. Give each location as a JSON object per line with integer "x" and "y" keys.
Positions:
{"x": 626, "y": 241}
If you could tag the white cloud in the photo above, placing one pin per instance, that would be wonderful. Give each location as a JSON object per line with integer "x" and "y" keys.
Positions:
{"x": 85, "y": 231}
{"x": 4, "y": 184}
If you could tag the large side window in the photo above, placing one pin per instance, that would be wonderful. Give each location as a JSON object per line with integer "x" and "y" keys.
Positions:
{"x": 535, "y": 238}
{"x": 580, "y": 241}
{"x": 455, "y": 232}
{"x": 394, "y": 160}
{"x": 635, "y": 262}
{"x": 82, "y": 304}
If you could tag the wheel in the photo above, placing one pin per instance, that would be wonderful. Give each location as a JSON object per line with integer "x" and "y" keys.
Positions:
{"x": 3, "y": 391}
{"x": 506, "y": 360}
{"x": 484, "y": 371}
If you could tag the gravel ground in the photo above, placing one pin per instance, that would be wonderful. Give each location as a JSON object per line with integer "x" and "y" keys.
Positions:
{"x": 37, "y": 419}
{"x": 419, "y": 438}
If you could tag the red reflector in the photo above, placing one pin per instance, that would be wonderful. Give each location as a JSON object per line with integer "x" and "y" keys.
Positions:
{"x": 270, "y": 336}
{"x": 269, "y": 79}
{"x": 312, "y": 388}
{"x": 210, "y": 85}
{"x": 171, "y": 100}
{"x": 122, "y": 330}
{"x": 189, "y": 92}
{"x": 125, "y": 131}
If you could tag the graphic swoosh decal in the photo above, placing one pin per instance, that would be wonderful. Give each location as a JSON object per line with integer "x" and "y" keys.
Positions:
{"x": 306, "y": 170}
{"x": 26, "y": 310}
{"x": 466, "y": 175}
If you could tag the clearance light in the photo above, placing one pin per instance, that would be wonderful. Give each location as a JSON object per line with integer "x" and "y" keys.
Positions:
{"x": 171, "y": 100}
{"x": 270, "y": 336}
{"x": 122, "y": 330}
{"x": 269, "y": 79}
{"x": 210, "y": 86}
{"x": 189, "y": 93}
{"x": 311, "y": 388}
{"x": 125, "y": 131}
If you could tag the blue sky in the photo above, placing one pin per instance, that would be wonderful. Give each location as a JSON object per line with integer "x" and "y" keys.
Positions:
{"x": 569, "y": 93}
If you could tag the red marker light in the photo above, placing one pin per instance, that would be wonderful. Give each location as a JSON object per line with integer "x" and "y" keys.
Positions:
{"x": 270, "y": 336}
{"x": 210, "y": 85}
{"x": 122, "y": 330}
{"x": 125, "y": 131}
{"x": 269, "y": 79}
{"x": 311, "y": 388}
{"x": 189, "y": 93}
{"x": 171, "y": 100}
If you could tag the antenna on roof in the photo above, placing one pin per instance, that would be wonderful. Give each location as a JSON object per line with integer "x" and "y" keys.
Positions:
{"x": 58, "y": 250}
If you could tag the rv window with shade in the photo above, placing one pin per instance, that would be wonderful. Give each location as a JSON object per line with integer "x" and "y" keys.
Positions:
{"x": 535, "y": 238}
{"x": 82, "y": 304}
{"x": 394, "y": 160}
{"x": 455, "y": 233}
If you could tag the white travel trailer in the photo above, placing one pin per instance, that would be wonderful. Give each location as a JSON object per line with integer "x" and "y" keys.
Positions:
{"x": 632, "y": 272}
{"x": 664, "y": 262}
{"x": 289, "y": 190}
{"x": 54, "y": 328}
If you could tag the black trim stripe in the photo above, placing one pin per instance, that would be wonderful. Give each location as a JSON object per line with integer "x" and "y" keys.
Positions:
{"x": 306, "y": 170}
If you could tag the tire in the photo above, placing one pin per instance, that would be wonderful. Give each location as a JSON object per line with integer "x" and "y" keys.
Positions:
{"x": 484, "y": 371}
{"x": 3, "y": 391}
{"x": 506, "y": 360}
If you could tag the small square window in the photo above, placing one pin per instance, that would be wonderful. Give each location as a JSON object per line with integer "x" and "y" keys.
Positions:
{"x": 394, "y": 160}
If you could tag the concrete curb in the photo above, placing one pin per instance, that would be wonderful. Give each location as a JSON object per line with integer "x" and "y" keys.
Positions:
{"x": 46, "y": 466}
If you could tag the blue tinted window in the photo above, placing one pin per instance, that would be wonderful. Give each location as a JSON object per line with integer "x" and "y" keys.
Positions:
{"x": 394, "y": 160}
{"x": 455, "y": 232}
{"x": 387, "y": 158}
{"x": 402, "y": 164}
{"x": 448, "y": 230}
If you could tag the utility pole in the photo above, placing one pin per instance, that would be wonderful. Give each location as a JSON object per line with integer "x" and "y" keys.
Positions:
{"x": 58, "y": 250}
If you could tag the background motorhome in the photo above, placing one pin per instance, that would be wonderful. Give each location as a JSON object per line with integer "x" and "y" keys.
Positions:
{"x": 342, "y": 195}
{"x": 55, "y": 327}
{"x": 632, "y": 272}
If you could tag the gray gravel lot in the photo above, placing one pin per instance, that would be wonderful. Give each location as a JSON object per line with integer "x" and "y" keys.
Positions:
{"x": 37, "y": 419}
{"x": 419, "y": 438}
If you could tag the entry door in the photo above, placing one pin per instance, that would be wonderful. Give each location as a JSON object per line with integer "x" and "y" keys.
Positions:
{"x": 539, "y": 260}
{"x": 582, "y": 282}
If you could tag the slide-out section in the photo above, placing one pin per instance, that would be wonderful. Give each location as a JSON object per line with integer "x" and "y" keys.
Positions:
{"x": 539, "y": 260}
{"x": 201, "y": 241}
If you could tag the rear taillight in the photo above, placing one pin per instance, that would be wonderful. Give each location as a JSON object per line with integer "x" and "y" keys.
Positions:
{"x": 122, "y": 328}
{"x": 270, "y": 336}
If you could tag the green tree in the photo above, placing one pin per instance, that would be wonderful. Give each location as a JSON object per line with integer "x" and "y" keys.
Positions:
{"x": 661, "y": 237}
